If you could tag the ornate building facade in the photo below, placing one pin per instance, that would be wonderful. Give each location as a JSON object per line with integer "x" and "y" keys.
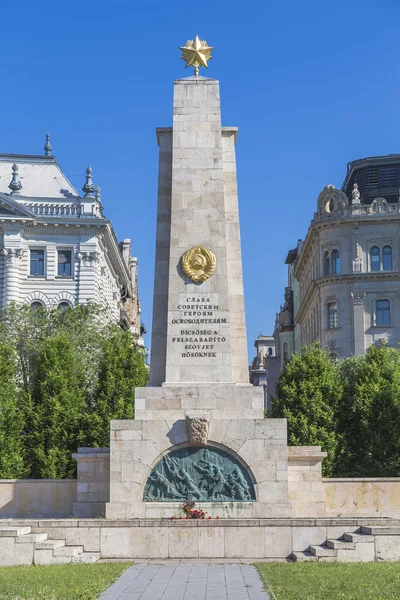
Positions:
{"x": 344, "y": 279}
{"x": 56, "y": 247}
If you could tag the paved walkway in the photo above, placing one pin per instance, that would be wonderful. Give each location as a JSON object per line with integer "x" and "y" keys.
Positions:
{"x": 188, "y": 582}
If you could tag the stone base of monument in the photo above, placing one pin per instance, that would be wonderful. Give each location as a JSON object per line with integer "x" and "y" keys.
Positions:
{"x": 87, "y": 540}
{"x": 209, "y": 444}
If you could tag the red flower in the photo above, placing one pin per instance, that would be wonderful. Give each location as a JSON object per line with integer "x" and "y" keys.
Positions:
{"x": 209, "y": 517}
{"x": 217, "y": 517}
{"x": 172, "y": 518}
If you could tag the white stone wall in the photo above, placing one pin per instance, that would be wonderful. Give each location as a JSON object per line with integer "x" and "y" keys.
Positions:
{"x": 37, "y": 497}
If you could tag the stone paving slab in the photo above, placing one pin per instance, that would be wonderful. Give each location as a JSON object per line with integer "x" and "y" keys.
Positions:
{"x": 188, "y": 581}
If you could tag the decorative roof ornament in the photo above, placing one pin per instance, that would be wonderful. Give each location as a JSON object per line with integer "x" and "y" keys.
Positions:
{"x": 98, "y": 197}
{"x": 47, "y": 146}
{"x": 355, "y": 194}
{"x": 89, "y": 188}
{"x": 15, "y": 183}
{"x": 196, "y": 53}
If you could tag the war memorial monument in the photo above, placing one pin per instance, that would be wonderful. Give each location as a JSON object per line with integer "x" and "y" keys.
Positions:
{"x": 199, "y": 432}
{"x": 199, "y": 425}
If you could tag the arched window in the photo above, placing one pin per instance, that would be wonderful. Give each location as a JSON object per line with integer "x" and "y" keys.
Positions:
{"x": 63, "y": 306}
{"x": 375, "y": 258}
{"x": 36, "y": 305}
{"x": 382, "y": 313}
{"x": 387, "y": 258}
{"x": 332, "y": 315}
{"x": 335, "y": 262}
{"x": 270, "y": 351}
{"x": 326, "y": 263}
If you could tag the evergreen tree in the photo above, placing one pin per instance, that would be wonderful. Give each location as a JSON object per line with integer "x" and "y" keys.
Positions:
{"x": 307, "y": 394}
{"x": 59, "y": 409}
{"x": 121, "y": 369}
{"x": 12, "y": 464}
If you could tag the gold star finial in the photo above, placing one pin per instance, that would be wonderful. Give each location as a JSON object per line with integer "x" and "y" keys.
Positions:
{"x": 196, "y": 53}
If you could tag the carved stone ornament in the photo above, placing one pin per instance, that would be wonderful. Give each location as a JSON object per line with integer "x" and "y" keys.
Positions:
{"x": 201, "y": 474}
{"x": 198, "y": 427}
{"x": 198, "y": 264}
{"x": 332, "y": 245}
{"x": 358, "y": 298}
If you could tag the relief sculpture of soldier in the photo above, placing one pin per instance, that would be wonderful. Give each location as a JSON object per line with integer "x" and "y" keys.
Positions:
{"x": 202, "y": 474}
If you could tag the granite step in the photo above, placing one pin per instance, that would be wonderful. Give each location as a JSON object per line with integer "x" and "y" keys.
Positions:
{"x": 14, "y": 531}
{"x": 68, "y": 551}
{"x": 49, "y": 545}
{"x": 31, "y": 538}
{"x": 303, "y": 556}
{"x": 358, "y": 538}
{"x": 381, "y": 530}
{"x": 340, "y": 545}
{"x": 322, "y": 550}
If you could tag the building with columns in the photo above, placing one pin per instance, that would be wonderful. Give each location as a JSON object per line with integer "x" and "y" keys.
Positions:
{"x": 343, "y": 287}
{"x": 57, "y": 248}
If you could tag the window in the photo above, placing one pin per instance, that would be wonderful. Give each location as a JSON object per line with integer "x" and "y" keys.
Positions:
{"x": 382, "y": 313}
{"x": 332, "y": 315}
{"x": 64, "y": 263}
{"x": 375, "y": 258}
{"x": 285, "y": 352}
{"x": 326, "y": 263}
{"x": 335, "y": 262}
{"x": 270, "y": 351}
{"x": 37, "y": 262}
{"x": 36, "y": 305}
{"x": 63, "y": 306}
{"x": 387, "y": 258}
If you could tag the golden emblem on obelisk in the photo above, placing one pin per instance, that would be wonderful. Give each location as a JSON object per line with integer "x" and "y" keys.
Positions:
{"x": 198, "y": 264}
{"x": 196, "y": 53}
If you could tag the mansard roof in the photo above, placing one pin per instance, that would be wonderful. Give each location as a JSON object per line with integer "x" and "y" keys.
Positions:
{"x": 41, "y": 177}
{"x": 376, "y": 176}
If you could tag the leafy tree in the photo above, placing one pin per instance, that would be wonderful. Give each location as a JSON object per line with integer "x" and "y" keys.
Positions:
{"x": 12, "y": 465}
{"x": 63, "y": 375}
{"x": 121, "y": 369}
{"x": 307, "y": 394}
{"x": 59, "y": 409}
{"x": 369, "y": 414}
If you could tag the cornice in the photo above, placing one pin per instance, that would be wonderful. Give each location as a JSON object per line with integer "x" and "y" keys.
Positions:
{"x": 348, "y": 278}
{"x": 112, "y": 246}
{"x": 317, "y": 226}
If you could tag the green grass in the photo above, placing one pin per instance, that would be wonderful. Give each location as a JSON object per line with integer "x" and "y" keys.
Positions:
{"x": 332, "y": 581}
{"x": 58, "y": 582}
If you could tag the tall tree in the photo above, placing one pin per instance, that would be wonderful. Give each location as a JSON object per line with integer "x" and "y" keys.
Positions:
{"x": 121, "y": 369}
{"x": 369, "y": 414}
{"x": 59, "y": 409}
{"x": 307, "y": 394}
{"x": 12, "y": 464}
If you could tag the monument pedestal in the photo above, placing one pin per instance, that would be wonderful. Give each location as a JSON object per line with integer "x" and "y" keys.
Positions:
{"x": 236, "y": 426}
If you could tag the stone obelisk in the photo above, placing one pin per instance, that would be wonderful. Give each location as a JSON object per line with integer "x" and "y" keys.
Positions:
{"x": 199, "y": 430}
{"x": 199, "y": 332}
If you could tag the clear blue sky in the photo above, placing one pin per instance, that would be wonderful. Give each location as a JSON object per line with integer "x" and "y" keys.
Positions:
{"x": 311, "y": 85}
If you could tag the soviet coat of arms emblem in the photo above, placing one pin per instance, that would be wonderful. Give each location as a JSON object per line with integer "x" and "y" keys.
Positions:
{"x": 198, "y": 263}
